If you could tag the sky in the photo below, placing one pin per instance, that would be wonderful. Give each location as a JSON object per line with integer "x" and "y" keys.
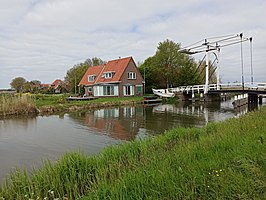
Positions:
{"x": 42, "y": 39}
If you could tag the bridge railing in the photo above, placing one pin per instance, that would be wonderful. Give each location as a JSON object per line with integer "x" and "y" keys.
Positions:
{"x": 223, "y": 86}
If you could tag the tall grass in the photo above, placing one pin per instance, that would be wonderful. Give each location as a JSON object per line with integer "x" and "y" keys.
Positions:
{"x": 220, "y": 161}
{"x": 11, "y": 104}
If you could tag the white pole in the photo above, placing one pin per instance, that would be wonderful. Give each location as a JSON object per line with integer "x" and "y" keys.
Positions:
{"x": 207, "y": 71}
{"x": 218, "y": 68}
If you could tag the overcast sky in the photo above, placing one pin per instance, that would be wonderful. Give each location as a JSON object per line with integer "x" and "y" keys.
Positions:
{"x": 42, "y": 39}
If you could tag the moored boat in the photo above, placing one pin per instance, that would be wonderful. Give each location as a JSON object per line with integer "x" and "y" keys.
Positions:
{"x": 163, "y": 93}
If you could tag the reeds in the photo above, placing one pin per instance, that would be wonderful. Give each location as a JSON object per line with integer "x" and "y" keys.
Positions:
{"x": 16, "y": 104}
{"x": 220, "y": 161}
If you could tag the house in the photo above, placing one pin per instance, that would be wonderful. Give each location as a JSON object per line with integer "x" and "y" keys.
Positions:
{"x": 58, "y": 85}
{"x": 116, "y": 78}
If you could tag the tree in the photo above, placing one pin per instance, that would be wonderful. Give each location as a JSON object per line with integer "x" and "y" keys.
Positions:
{"x": 97, "y": 61}
{"x": 168, "y": 67}
{"x": 75, "y": 74}
{"x": 18, "y": 83}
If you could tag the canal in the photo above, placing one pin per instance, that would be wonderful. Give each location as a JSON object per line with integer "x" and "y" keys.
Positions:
{"x": 25, "y": 142}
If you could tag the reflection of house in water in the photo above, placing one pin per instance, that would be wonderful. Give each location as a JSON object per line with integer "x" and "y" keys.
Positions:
{"x": 119, "y": 123}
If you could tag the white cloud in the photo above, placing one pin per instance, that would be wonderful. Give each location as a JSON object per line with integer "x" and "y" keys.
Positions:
{"x": 42, "y": 39}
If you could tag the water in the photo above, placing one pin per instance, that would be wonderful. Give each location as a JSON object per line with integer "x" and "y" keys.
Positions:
{"x": 27, "y": 141}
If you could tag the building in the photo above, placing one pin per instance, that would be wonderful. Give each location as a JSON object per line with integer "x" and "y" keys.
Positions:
{"x": 116, "y": 78}
{"x": 58, "y": 85}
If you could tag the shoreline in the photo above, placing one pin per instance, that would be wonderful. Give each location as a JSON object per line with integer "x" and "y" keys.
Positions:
{"x": 54, "y": 108}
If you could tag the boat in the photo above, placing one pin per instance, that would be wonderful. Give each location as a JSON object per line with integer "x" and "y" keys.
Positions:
{"x": 152, "y": 100}
{"x": 163, "y": 93}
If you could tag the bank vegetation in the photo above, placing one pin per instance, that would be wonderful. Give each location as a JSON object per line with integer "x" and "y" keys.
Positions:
{"x": 26, "y": 103}
{"x": 220, "y": 161}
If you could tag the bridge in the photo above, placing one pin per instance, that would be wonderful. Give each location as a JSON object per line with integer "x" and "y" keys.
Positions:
{"x": 214, "y": 45}
{"x": 252, "y": 88}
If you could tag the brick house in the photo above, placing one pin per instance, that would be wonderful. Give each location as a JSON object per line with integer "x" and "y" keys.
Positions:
{"x": 58, "y": 85}
{"x": 118, "y": 78}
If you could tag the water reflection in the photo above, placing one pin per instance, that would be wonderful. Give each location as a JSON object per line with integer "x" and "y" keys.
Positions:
{"x": 25, "y": 142}
{"x": 127, "y": 123}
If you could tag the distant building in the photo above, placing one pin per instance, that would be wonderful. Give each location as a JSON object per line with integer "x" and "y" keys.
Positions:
{"x": 119, "y": 78}
{"x": 7, "y": 91}
{"x": 58, "y": 85}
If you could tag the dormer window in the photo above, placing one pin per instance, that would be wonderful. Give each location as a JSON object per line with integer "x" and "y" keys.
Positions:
{"x": 131, "y": 75}
{"x": 91, "y": 78}
{"x": 108, "y": 74}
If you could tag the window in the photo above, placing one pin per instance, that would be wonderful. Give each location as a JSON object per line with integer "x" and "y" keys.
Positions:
{"x": 90, "y": 89}
{"x": 108, "y": 74}
{"x": 91, "y": 78}
{"x": 128, "y": 90}
{"x": 108, "y": 90}
{"x": 131, "y": 75}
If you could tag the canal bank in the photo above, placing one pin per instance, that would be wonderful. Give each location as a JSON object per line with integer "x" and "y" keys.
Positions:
{"x": 219, "y": 161}
{"x": 29, "y": 104}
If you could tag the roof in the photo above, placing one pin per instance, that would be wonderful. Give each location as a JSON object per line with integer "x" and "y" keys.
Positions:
{"x": 57, "y": 81}
{"x": 94, "y": 70}
{"x": 117, "y": 66}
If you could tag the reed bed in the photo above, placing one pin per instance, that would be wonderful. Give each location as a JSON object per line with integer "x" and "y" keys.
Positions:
{"x": 11, "y": 104}
{"x": 220, "y": 161}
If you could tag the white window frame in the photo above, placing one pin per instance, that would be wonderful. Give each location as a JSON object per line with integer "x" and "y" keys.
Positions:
{"x": 128, "y": 90}
{"x": 132, "y": 75}
{"x": 92, "y": 77}
{"x": 108, "y": 75}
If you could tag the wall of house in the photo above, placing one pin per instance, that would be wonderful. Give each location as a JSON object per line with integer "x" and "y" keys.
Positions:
{"x": 125, "y": 81}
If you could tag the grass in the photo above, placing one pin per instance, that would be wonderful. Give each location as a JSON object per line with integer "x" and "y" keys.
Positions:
{"x": 16, "y": 104}
{"x": 220, "y": 161}
{"x": 21, "y": 104}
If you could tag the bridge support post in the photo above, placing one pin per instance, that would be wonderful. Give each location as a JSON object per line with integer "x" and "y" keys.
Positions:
{"x": 212, "y": 97}
{"x": 183, "y": 96}
{"x": 253, "y": 98}
{"x": 260, "y": 99}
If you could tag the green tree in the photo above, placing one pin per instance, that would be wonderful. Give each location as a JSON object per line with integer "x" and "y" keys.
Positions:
{"x": 18, "y": 83}
{"x": 168, "y": 67}
{"x": 75, "y": 74}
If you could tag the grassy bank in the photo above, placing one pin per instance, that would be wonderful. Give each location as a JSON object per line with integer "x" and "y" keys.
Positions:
{"x": 220, "y": 161}
{"x": 21, "y": 104}
{"x": 17, "y": 104}
{"x": 58, "y": 103}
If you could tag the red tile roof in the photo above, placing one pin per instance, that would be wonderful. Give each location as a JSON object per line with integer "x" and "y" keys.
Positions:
{"x": 93, "y": 70}
{"x": 117, "y": 66}
{"x": 57, "y": 82}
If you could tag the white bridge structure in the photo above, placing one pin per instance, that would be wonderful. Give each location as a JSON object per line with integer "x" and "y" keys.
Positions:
{"x": 214, "y": 45}
{"x": 221, "y": 88}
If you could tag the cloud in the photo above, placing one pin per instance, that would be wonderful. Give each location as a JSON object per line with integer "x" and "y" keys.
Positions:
{"x": 42, "y": 39}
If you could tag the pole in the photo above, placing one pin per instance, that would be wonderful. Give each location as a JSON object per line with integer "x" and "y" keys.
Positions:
{"x": 242, "y": 63}
{"x": 218, "y": 68}
{"x": 251, "y": 67}
{"x": 207, "y": 71}
{"x": 144, "y": 80}
{"x": 75, "y": 82}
